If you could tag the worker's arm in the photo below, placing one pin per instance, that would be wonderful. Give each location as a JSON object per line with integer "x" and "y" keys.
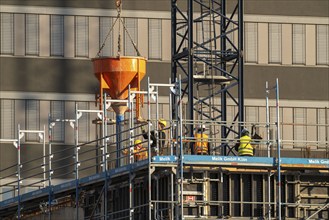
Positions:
{"x": 125, "y": 151}
{"x": 152, "y": 135}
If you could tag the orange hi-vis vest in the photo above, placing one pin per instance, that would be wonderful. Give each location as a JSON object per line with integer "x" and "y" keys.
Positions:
{"x": 140, "y": 154}
{"x": 245, "y": 148}
{"x": 201, "y": 144}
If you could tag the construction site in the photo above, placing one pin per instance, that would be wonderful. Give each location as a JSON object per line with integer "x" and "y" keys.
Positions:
{"x": 189, "y": 162}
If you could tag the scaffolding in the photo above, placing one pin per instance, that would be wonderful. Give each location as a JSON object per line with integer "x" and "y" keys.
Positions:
{"x": 98, "y": 181}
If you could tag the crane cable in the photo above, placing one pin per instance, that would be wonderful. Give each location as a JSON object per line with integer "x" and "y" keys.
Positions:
{"x": 118, "y": 5}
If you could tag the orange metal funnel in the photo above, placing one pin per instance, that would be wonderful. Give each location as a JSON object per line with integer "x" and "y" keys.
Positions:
{"x": 117, "y": 73}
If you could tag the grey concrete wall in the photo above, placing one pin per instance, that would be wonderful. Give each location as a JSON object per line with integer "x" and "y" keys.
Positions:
{"x": 264, "y": 7}
{"x": 76, "y": 76}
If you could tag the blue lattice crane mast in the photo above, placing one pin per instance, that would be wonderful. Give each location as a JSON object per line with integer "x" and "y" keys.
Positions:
{"x": 212, "y": 62}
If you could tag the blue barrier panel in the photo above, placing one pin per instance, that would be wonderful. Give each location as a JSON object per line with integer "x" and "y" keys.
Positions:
{"x": 93, "y": 178}
{"x": 229, "y": 160}
{"x": 9, "y": 202}
{"x": 35, "y": 194}
{"x": 164, "y": 159}
{"x": 64, "y": 186}
{"x": 316, "y": 163}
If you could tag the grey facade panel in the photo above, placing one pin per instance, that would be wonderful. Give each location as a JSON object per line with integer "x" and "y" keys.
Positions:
{"x": 296, "y": 83}
{"x": 317, "y": 8}
{"x": 60, "y": 75}
{"x": 263, "y": 7}
{"x": 76, "y": 76}
{"x": 47, "y": 75}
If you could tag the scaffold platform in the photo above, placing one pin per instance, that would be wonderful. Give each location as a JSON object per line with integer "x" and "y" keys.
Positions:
{"x": 268, "y": 163}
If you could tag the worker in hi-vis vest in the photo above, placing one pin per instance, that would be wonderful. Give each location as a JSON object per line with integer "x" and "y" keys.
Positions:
{"x": 245, "y": 148}
{"x": 201, "y": 145}
{"x": 161, "y": 137}
{"x": 140, "y": 152}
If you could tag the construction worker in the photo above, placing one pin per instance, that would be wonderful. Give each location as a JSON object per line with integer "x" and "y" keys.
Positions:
{"x": 201, "y": 145}
{"x": 140, "y": 152}
{"x": 245, "y": 148}
{"x": 161, "y": 136}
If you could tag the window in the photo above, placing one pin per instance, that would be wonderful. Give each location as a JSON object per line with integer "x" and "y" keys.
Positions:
{"x": 131, "y": 25}
{"x": 299, "y": 126}
{"x": 323, "y": 131}
{"x": 322, "y": 39}
{"x": 155, "y": 40}
{"x": 275, "y": 43}
{"x": 83, "y": 123}
{"x": 56, "y": 35}
{"x": 251, "y": 42}
{"x": 57, "y": 111}
{"x": 81, "y": 36}
{"x": 32, "y": 119}
{"x": 7, "y": 119}
{"x": 7, "y": 33}
{"x": 298, "y": 43}
{"x": 251, "y": 115}
{"x": 105, "y": 26}
{"x": 32, "y": 34}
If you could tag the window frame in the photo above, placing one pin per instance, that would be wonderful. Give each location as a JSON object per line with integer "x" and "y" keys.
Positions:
{"x": 127, "y": 40}
{"x": 295, "y": 60}
{"x": 248, "y": 58}
{"x": 84, "y": 53}
{"x": 35, "y": 36}
{"x": 108, "y": 49}
{"x": 59, "y": 126}
{"x": 270, "y": 39}
{"x": 322, "y": 46}
{"x": 12, "y": 33}
{"x": 4, "y": 117}
{"x": 32, "y": 137}
{"x": 62, "y": 40}
{"x": 151, "y": 39}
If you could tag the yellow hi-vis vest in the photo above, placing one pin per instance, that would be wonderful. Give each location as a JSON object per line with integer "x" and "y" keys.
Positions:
{"x": 245, "y": 148}
{"x": 201, "y": 144}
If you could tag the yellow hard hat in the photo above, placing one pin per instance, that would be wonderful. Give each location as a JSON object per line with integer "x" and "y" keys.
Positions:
{"x": 162, "y": 121}
{"x": 138, "y": 141}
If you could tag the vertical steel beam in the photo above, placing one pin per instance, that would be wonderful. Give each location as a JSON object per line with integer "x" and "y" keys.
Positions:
{"x": 279, "y": 148}
{"x": 19, "y": 174}
{"x": 76, "y": 167}
{"x": 241, "y": 62}
{"x": 190, "y": 67}
{"x": 173, "y": 52}
{"x": 223, "y": 66}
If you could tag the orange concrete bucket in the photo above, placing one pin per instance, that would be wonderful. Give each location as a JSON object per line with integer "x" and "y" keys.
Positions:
{"x": 117, "y": 73}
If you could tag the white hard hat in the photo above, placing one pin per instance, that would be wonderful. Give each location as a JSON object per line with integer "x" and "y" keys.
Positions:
{"x": 244, "y": 132}
{"x": 201, "y": 127}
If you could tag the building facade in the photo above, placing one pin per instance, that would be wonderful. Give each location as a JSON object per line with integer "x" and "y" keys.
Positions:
{"x": 47, "y": 46}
